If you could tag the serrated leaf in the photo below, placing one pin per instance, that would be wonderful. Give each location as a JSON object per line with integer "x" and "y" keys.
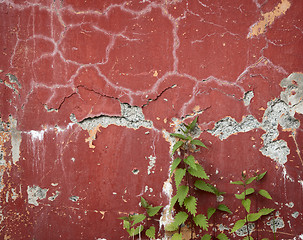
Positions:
{"x": 144, "y": 203}
{"x": 237, "y": 183}
{"x": 182, "y": 192}
{"x": 240, "y": 196}
{"x": 138, "y": 218}
{"x": 224, "y": 208}
{"x": 126, "y": 224}
{"x": 261, "y": 175}
{"x": 190, "y": 160}
{"x": 177, "y": 236}
{"x": 266, "y": 211}
{"x": 265, "y": 194}
{"x": 179, "y": 174}
{"x": 190, "y": 204}
{"x": 201, "y": 221}
{"x": 171, "y": 227}
{"x": 198, "y": 143}
{"x": 240, "y": 223}
{"x": 252, "y": 217}
{"x": 178, "y": 135}
{"x": 203, "y": 186}
{"x": 173, "y": 202}
{"x": 175, "y": 164}
{"x": 152, "y": 211}
{"x": 206, "y": 237}
{"x": 198, "y": 172}
{"x": 250, "y": 180}
{"x": 151, "y": 232}
{"x": 180, "y": 218}
{"x": 246, "y": 204}
{"x": 222, "y": 236}
{"x": 245, "y": 193}
{"x": 210, "y": 212}
{"x": 135, "y": 231}
{"x": 125, "y": 218}
{"x": 176, "y": 146}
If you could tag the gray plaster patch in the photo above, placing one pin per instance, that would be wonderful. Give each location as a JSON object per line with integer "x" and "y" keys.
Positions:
{"x": 277, "y": 150}
{"x": 243, "y": 230}
{"x": 290, "y": 205}
{"x": 229, "y": 126}
{"x": 248, "y": 96}
{"x": 293, "y": 93}
{"x": 151, "y": 165}
{"x": 15, "y": 140}
{"x": 74, "y": 198}
{"x": 276, "y": 223}
{"x": 35, "y": 193}
{"x": 13, "y": 79}
{"x": 295, "y": 214}
{"x": 55, "y": 195}
{"x": 131, "y": 117}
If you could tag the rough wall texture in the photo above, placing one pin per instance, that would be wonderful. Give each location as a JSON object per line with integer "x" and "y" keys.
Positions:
{"x": 90, "y": 89}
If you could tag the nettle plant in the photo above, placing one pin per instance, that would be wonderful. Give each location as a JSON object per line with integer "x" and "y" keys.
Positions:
{"x": 186, "y": 169}
{"x": 134, "y": 223}
{"x": 251, "y": 217}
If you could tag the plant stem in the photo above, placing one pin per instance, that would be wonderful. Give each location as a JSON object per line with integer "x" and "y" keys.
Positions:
{"x": 248, "y": 233}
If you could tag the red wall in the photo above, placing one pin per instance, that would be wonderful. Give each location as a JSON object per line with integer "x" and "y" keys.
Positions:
{"x": 90, "y": 89}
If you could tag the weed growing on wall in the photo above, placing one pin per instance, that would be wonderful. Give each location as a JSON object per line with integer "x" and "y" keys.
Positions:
{"x": 250, "y": 217}
{"x": 186, "y": 169}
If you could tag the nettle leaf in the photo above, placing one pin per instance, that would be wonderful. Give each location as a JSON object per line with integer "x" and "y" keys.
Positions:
{"x": 190, "y": 160}
{"x": 240, "y": 223}
{"x": 177, "y": 236}
{"x": 171, "y": 227}
{"x": 193, "y": 123}
{"x": 237, "y": 183}
{"x": 125, "y": 218}
{"x": 152, "y": 211}
{"x": 198, "y": 172}
{"x": 266, "y": 211}
{"x": 135, "y": 231}
{"x": 180, "y": 218}
{"x": 179, "y": 174}
{"x": 250, "y": 180}
{"x": 210, "y": 212}
{"x": 190, "y": 204}
{"x": 206, "y": 237}
{"x": 151, "y": 232}
{"x": 173, "y": 201}
{"x": 176, "y": 146}
{"x": 265, "y": 194}
{"x": 240, "y": 196}
{"x": 252, "y": 217}
{"x": 224, "y": 208}
{"x": 126, "y": 224}
{"x": 138, "y": 218}
{"x": 198, "y": 143}
{"x": 201, "y": 221}
{"x": 245, "y": 193}
{"x": 144, "y": 203}
{"x": 175, "y": 164}
{"x": 204, "y": 186}
{"x": 222, "y": 236}
{"x": 246, "y": 204}
{"x": 178, "y": 135}
{"x": 261, "y": 175}
{"x": 182, "y": 192}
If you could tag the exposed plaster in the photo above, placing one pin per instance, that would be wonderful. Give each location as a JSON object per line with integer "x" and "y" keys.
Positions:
{"x": 131, "y": 117}
{"x": 278, "y": 112}
{"x": 276, "y": 224}
{"x": 243, "y": 230}
{"x": 268, "y": 19}
{"x": 248, "y": 96}
{"x": 35, "y": 193}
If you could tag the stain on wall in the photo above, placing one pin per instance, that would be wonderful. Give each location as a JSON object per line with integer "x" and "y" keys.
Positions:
{"x": 91, "y": 89}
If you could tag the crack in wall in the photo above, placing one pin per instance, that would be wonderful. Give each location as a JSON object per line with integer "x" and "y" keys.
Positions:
{"x": 131, "y": 117}
{"x": 278, "y": 112}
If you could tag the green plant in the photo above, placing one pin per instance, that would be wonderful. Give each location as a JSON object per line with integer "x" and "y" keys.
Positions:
{"x": 134, "y": 223}
{"x": 185, "y": 168}
{"x": 250, "y": 217}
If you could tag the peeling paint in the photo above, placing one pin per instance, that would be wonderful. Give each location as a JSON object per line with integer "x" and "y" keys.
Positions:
{"x": 248, "y": 96}
{"x": 55, "y": 195}
{"x": 276, "y": 224}
{"x": 35, "y": 193}
{"x": 151, "y": 164}
{"x": 268, "y": 19}
{"x": 74, "y": 198}
{"x": 243, "y": 230}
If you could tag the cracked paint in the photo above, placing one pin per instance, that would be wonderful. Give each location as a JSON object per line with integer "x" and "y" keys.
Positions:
{"x": 90, "y": 91}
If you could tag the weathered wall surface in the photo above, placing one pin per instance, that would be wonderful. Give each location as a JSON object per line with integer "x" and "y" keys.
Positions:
{"x": 90, "y": 89}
